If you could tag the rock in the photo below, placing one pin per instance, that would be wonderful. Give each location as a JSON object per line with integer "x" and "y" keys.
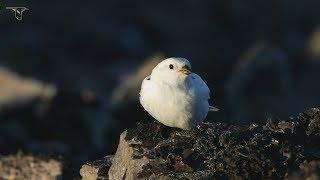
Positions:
{"x": 97, "y": 169}
{"x": 275, "y": 149}
{"x": 308, "y": 170}
{"x": 22, "y": 166}
{"x": 129, "y": 88}
{"x": 124, "y": 165}
{"x": 260, "y": 83}
{"x": 313, "y": 44}
{"x": 17, "y": 90}
{"x": 314, "y": 125}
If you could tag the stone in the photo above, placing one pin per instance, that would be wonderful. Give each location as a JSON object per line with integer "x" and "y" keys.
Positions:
{"x": 124, "y": 165}
{"x": 97, "y": 169}
{"x": 260, "y": 83}
{"x": 18, "y": 90}
{"x": 128, "y": 89}
{"x": 307, "y": 170}
{"x": 278, "y": 148}
{"x": 313, "y": 44}
{"x": 21, "y": 166}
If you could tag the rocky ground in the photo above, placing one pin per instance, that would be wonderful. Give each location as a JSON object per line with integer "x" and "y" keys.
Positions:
{"x": 22, "y": 166}
{"x": 70, "y": 74}
{"x": 286, "y": 149}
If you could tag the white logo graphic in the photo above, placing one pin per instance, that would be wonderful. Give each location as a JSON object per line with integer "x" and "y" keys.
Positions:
{"x": 18, "y": 11}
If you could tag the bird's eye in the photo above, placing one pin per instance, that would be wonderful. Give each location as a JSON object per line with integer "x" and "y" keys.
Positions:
{"x": 171, "y": 66}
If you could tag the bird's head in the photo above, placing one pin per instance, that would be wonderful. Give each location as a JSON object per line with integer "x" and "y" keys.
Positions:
{"x": 172, "y": 70}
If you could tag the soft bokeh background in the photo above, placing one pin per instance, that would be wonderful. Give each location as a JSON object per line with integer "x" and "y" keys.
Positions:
{"x": 71, "y": 71}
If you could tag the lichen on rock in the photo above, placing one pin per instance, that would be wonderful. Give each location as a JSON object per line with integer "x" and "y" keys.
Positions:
{"x": 275, "y": 149}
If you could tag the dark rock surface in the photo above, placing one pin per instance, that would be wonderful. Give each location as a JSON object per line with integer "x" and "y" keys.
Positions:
{"x": 259, "y": 58}
{"x": 286, "y": 149}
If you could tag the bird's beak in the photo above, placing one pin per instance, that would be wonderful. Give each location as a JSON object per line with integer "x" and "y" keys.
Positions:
{"x": 185, "y": 70}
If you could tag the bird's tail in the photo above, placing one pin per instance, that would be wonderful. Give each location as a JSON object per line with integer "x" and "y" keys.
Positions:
{"x": 211, "y": 108}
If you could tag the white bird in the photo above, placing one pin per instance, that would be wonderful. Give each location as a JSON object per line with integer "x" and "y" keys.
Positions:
{"x": 175, "y": 96}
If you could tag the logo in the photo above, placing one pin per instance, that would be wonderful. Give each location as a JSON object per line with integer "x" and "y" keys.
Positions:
{"x": 18, "y": 12}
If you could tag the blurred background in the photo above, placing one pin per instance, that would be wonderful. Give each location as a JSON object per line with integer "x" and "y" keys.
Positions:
{"x": 70, "y": 71}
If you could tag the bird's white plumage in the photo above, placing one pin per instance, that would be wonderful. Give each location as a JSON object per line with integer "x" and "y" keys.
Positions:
{"x": 175, "y": 97}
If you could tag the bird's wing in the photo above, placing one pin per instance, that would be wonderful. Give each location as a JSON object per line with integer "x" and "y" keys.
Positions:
{"x": 203, "y": 89}
{"x": 144, "y": 84}
{"x": 147, "y": 88}
{"x": 201, "y": 86}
